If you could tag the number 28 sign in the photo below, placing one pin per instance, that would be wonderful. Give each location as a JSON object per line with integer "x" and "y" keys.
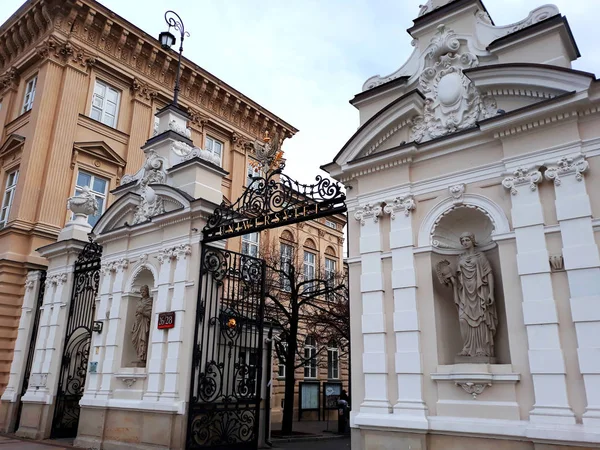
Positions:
{"x": 166, "y": 320}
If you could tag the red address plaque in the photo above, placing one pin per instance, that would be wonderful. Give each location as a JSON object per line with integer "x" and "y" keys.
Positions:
{"x": 166, "y": 320}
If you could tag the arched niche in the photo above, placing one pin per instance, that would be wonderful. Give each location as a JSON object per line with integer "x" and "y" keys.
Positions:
{"x": 142, "y": 275}
{"x": 444, "y": 237}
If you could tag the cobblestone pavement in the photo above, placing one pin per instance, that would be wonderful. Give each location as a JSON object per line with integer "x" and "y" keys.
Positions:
{"x": 7, "y": 443}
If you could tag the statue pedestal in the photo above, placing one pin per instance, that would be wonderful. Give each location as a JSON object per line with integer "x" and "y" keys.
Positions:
{"x": 474, "y": 360}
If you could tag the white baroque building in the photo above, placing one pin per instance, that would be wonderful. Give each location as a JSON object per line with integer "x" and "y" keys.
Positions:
{"x": 486, "y": 130}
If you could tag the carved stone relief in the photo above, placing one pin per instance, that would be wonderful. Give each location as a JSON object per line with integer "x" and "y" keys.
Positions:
{"x": 405, "y": 204}
{"x": 522, "y": 176}
{"x": 368, "y": 211}
{"x": 567, "y": 166}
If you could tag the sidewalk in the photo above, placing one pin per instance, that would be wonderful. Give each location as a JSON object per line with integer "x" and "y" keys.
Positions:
{"x": 311, "y": 430}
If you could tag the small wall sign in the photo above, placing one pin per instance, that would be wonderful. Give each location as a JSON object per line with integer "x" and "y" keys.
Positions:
{"x": 166, "y": 320}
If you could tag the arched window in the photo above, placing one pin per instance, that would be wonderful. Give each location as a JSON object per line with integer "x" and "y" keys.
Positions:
{"x": 310, "y": 357}
{"x": 333, "y": 360}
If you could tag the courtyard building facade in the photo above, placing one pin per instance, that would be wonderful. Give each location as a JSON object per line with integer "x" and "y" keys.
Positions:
{"x": 473, "y": 255}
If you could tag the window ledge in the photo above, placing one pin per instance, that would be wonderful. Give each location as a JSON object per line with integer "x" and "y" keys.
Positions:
{"x": 99, "y": 127}
{"x": 17, "y": 123}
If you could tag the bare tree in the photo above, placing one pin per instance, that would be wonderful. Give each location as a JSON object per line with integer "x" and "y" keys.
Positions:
{"x": 293, "y": 296}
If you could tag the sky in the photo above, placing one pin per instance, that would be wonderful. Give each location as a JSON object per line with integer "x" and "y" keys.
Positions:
{"x": 304, "y": 59}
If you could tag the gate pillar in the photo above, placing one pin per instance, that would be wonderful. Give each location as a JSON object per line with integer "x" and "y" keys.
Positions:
{"x": 38, "y": 401}
{"x": 23, "y": 350}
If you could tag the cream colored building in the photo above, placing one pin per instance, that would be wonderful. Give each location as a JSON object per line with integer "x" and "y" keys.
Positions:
{"x": 79, "y": 87}
{"x": 485, "y": 129}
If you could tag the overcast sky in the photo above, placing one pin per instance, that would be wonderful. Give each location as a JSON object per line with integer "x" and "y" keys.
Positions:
{"x": 304, "y": 59}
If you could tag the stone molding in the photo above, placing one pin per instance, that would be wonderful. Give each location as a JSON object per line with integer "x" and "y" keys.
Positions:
{"x": 65, "y": 52}
{"x": 457, "y": 191}
{"x": 474, "y": 389}
{"x": 567, "y": 166}
{"x": 522, "y": 176}
{"x": 178, "y": 252}
{"x": 141, "y": 90}
{"x": 114, "y": 266}
{"x": 404, "y": 203}
{"x": 368, "y": 211}
{"x": 56, "y": 279}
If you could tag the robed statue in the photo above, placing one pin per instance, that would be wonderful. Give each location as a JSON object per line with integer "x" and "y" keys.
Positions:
{"x": 141, "y": 325}
{"x": 473, "y": 289}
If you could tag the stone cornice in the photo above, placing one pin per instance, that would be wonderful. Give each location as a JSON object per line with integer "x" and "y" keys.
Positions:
{"x": 119, "y": 43}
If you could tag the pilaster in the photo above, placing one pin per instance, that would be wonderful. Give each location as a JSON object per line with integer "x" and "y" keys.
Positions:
{"x": 142, "y": 97}
{"x": 373, "y": 315}
{"x": 582, "y": 263}
{"x": 409, "y": 369}
{"x": 546, "y": 360}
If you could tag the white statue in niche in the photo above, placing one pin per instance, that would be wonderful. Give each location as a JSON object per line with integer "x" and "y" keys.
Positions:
{"x": 141, "y": 325}
{"x": 473, "y": 289}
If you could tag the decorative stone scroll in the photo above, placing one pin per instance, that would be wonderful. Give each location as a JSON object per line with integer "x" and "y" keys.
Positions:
{"x": 566, "y": 166}
{"x": 522, "y": 176}
{"x": 473, "y": 389}
{"x": 56, "y": 279}
{"x": 368, "y": 211}
{"x": 178, "y": 252}
{"x": 405, "y": 203}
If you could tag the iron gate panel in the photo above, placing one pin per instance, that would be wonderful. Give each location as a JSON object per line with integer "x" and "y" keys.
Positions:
{"x": 86, "y": 280}
{"x": 225, "y": 391}
{"x": 31, "y": 350}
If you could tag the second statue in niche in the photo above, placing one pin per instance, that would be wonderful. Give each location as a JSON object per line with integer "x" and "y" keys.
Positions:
{"x": 473, "y": 288}
{"x": 141, "y": 325}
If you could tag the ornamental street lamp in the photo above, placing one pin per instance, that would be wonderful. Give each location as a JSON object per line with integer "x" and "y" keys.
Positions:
{"x": 167, "y": 40}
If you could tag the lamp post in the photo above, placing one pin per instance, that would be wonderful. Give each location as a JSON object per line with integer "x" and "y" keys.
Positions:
{"x": 167, "y": 40}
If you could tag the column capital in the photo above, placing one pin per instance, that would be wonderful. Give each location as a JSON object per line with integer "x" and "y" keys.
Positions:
{"x": 522, "y": 176}
{"x": 368, "y": 211}
{"x": 404, "y": 203}
{"x": 565, "y": 166}
{"x": 56, "y": 279}
{"x": 142, "y": 91}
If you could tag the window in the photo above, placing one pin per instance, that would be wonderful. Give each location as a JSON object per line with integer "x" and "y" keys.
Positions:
{"x": 286, "y": 257}
{"x": 105, "y": 104}
{"x": 250, "y": 244}
{"x": 9, "y": 195}
{"x": 281, "y": 361}
{"x": 330, "y": 224}
{"x": 310, "y": 358}
{"x": 252, "y": 172}
{"x": 309, "y": 270}
{"x": 333, "y": 361}
{"x": 29, "y": 94}
{"x": 329, "y": 268}
{"x": 215, "y": 147}
{"x": 98, "y": 186}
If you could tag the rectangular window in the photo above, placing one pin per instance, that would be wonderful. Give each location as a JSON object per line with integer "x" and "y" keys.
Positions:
{"x": 252, "y": 172}
{"x": 29, "y": 94}
{"x": 286, "y": 257}
{"x": 9, "y": 195}
{"x": 215, "y": 147}
{"x": 250, "y": 244}
{"x": 105, "y": 104}
{"x": 98, "y": 186}
{"x": 246, "y": 370}
{"x": 281, "y": 362}
{"x": 310, "y": 358}
{"x": 309, "y": 270}
{"x": 333, "y": 363}
{"x": 330, "y": 224}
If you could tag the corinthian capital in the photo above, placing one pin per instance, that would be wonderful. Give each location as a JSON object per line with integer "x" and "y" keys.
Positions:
{"x": 522, "y": 176}
{"x": 404, "y": 203}
{"x": 368, "y": 211}
{"x": 567, "y": 166}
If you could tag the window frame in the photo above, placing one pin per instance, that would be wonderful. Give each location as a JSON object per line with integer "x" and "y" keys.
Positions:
{"x": 330, "y": 224}
{"x": 280, "y": 363}
{"x": 285, "y": 260}
{"x": 211, "y": 150}
{"x": 310, "y": 358}
{"x": 29, "y": 95}
{"x": 251, "y": 244}
{"x": 9, "y": 190}
{"x": 103, "y": 112}
{"x": 252, "y": 172}
{"x": 333, "y": 373}
{"x": 104, "y": 195}
{"x": 309, "y": 286}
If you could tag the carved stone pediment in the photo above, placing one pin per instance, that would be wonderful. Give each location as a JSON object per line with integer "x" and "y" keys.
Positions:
{"x": 98, "y": 150}
{"x": 12, "y": 143}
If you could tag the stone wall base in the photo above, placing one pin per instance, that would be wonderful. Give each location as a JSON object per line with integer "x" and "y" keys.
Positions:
{"x": 36, "y": 421}
{"x": 120, "y": 429}
{"x": 391, "y": 440}
{"x": 8, "y": 416}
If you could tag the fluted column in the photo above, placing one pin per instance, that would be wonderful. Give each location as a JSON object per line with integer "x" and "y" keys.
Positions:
{"x": 546, "y": 360}
{"x": 175, "y": 336}
{"x": 142, "y": 123}
{"x": 75, "y": 81}
{"x": 156, "y": 364}
{"x": 409, "y": 369}
{"x": 373, "y": 315}
{"x": 24, "y": 336}
{"x": 582, "y": 263}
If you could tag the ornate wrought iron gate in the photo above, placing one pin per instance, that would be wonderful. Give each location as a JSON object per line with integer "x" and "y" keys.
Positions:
{"x": 34, "y": 330}
{"x": 76, "y": 351}
{"x": 226, "y": 383}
